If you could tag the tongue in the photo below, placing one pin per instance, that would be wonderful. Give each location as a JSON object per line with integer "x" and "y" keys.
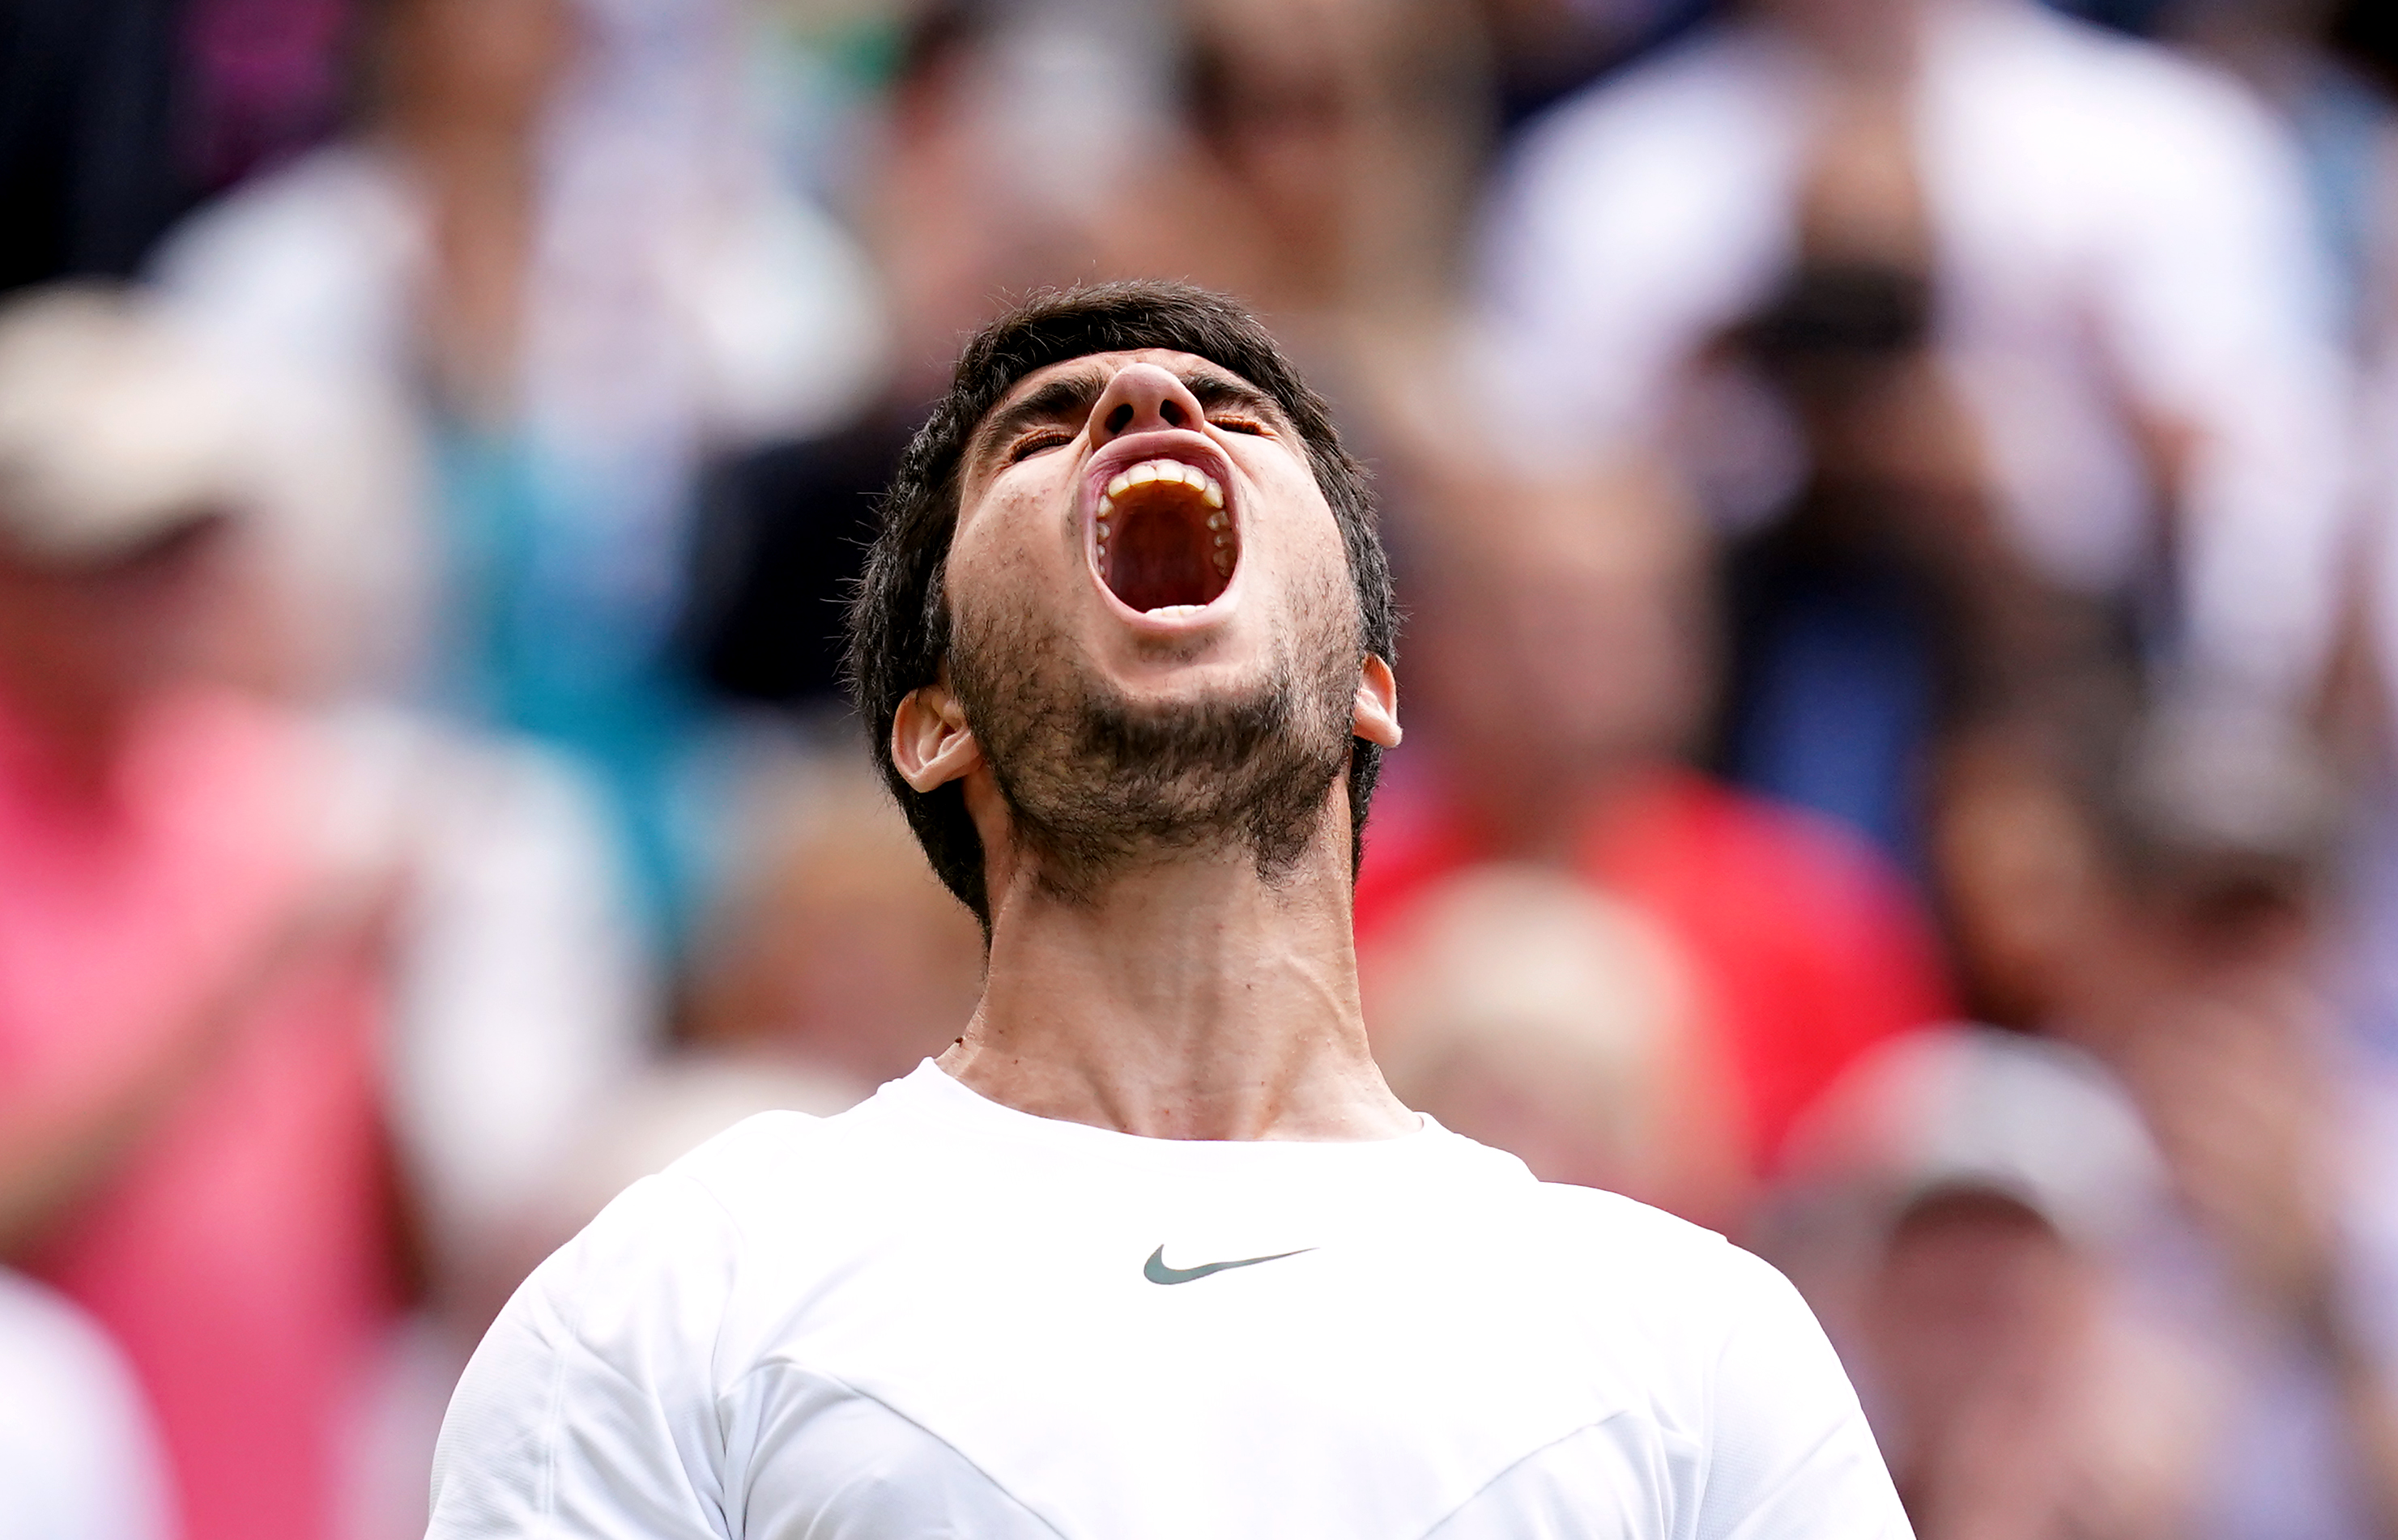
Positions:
{"x": 1163, "y": 554}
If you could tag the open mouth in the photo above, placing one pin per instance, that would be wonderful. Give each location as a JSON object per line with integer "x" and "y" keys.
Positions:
{"x": 1164, "y": 540}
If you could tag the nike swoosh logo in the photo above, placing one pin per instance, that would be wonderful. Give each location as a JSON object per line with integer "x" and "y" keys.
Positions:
{"x": 1156, "y": 1271}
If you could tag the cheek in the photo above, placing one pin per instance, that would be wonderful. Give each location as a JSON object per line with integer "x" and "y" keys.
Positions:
{"x": 1305, "y": 538}
{"x": 1017, "y": 546}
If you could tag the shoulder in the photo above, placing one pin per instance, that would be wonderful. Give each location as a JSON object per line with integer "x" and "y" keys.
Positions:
{"x": 681, "y": 1233}
{"x": 1737, "y": 1365}
{"x": 2100, "y": 98}
{"x": 1711, "y": 84}
{"x": 757, "y": 1146}
{"x": 793, "y": 1184}
{"x": 768, "y": 1172}
{"x": 595, "y": 1390}
{"x": 1700, "y": 1298}
{"x": 619, "y": 1336}
{"x": 1718, "y": 1344}
{"x": 2120, "y": 73}
{"x": 1653, "y": 1261}
{"x": 315, "y": 261}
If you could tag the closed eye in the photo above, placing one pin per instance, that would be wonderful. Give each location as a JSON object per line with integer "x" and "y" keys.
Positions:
{"x": 1037, "y": 441}
{"x": 1241, "y": 424}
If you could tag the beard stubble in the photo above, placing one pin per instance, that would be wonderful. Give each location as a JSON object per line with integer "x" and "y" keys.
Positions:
{"x": 1098, "y": 786}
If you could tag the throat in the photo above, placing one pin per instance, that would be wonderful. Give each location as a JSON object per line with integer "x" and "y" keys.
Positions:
{"x": 1192, "y": 1001}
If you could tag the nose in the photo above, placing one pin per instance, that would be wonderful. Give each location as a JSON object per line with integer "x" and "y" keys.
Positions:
{"x": 1141, "y": 398}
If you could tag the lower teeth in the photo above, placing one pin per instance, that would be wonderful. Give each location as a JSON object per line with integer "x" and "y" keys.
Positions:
{"x": 1176, "y": 611}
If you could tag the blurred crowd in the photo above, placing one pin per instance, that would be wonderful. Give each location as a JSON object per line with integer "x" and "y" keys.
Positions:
{"x": 1896, "y": 506}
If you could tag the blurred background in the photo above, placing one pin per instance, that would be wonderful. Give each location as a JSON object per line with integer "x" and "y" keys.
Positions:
{"x": 1895, "y": 500}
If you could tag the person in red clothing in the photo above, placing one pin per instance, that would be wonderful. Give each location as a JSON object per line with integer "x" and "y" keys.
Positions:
{"x": 1560, "y": 664}
{"x": 190, "y": 1145}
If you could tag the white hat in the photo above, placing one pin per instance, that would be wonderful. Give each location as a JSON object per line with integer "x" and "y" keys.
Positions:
{"x": 1976, "y": 1109}
{"x": 114, "y": 430}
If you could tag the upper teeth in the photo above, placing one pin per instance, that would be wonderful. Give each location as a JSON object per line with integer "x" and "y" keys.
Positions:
{"x": 1210, "y": 491}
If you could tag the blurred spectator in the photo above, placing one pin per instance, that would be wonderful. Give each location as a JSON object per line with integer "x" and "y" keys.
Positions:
{"x": 1319, "y": 164}
{"x": 520, "y": 1005}
{"x": 1522, "y": 1008}
{"x": 2109, "y": 249}
{"x": 249, "y": 955}
{"x": 78, "y": 1458}
{"x": 1342, "y": 135}
{"x": 1958, "y": 1209}
{"x": 1330, "y": 160}
{"x": 647, "y": 1121}
{"x": 1020, "y": 146}
{"x": 834, "y": 946}
{"x": 520, "y": 999}
{"x": 2156, "y": 894}
{"x": 956, "y": 216}
{"x": 555, "y": 248}
{"x": 189, "y": 1144}
{"x": 1558, "y": 665}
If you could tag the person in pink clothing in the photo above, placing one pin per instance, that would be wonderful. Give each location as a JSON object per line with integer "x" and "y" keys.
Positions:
{"x": 1805, "y": 947}
{"x": 189, "y": 1141}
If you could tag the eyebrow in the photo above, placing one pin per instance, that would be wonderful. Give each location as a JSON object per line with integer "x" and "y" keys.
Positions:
{"x": 1070, "y": 398}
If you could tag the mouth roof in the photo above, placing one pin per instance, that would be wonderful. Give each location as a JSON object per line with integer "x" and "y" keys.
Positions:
{"x": 1163, "y": 538}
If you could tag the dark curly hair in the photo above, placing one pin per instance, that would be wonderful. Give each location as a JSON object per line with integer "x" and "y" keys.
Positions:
{"x": 899, "y": 622}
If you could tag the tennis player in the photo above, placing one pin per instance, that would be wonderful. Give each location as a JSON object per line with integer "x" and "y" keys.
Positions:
{"x": 1152, "y": 1250}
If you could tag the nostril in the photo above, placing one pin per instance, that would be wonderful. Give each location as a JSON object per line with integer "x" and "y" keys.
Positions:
{"x": 1172, "y": 411}
{"x": 1120, "y": 419}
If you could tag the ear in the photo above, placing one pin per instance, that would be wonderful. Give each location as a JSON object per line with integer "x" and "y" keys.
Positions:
{"x": 1376, "y": 718}
{"x": 931, "y": 744}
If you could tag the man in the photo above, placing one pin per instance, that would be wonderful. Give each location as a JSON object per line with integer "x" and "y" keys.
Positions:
{"x": 1152, "y": 1249}
{"x": 2156, "y": 889}
{"x": 272, "y": 977}
{"x": 190, "y": 1000}
{"x": 1851, "y": 258}
{"x": 1960, "y": 1206}
{"x": 1806, "y": 947}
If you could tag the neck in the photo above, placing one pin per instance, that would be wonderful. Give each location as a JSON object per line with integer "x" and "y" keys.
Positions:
{"x": 1863, "y": 46}
{"x": 1190, "y": 1001}
{"x": 478, "y": 179}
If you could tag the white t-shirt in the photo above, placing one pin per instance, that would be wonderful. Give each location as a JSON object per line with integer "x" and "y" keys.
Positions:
{"x": 933, "y": 1316}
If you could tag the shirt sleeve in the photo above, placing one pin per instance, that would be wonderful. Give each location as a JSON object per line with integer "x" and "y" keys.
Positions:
{"x": 588, "y": 1413}
{"x": 1790, "y": 1456}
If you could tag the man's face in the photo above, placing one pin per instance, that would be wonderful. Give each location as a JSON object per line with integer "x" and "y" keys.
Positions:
{"x": 1572, "y": 636}
{"x": 1156, "y": 637}
{"x": 94, "y": 641}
